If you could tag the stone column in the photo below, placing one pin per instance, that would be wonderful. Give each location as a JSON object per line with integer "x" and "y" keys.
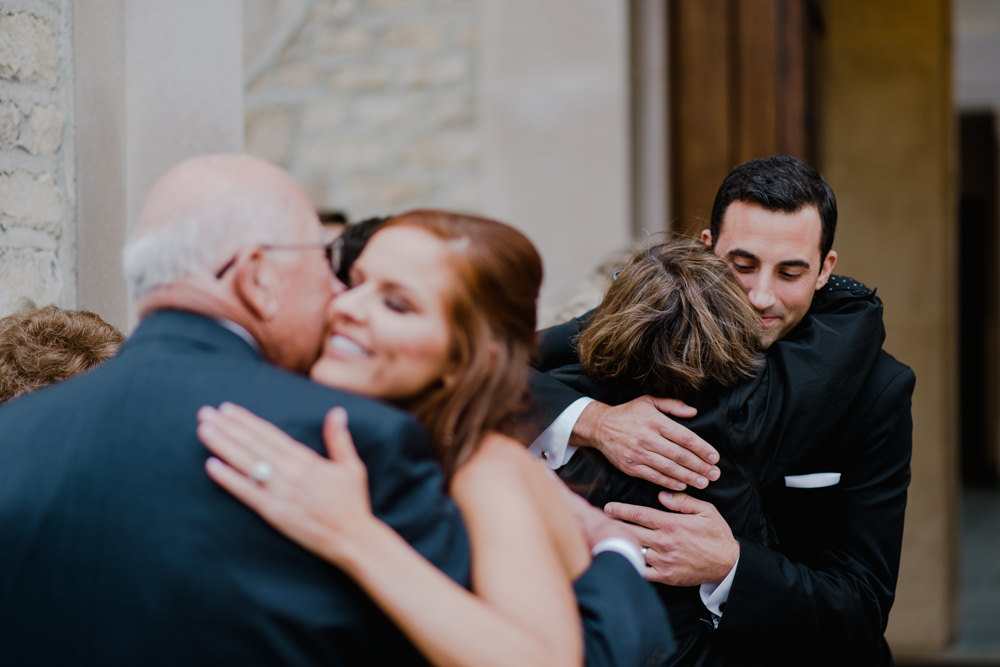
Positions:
{"x": 886, "y": 146}
{"x": 37, "y": 232}
{"x": 556, "y": 131}
{"x": 156, "y": 82}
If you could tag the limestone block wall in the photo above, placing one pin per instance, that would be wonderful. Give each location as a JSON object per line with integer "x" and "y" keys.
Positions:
{"x": 370, "y": 104}
{"x": 37, "y": 227}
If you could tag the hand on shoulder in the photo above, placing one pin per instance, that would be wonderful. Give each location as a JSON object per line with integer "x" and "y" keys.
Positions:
{"x": 323, "y": 504}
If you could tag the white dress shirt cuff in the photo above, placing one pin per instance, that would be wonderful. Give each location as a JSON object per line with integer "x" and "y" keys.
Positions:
{"x": 625, "y": 548}
{"x": 552, "y": 446}
{"x": 714, "y": 596}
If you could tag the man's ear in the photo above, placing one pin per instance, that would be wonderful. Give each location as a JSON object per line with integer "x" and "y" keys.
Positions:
{"x": 253, "y": 282}
{"x": 706, "y": 237}
{"x": 824, "y": 272}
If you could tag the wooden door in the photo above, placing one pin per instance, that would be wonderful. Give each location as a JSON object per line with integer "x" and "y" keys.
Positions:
{"x": 740, "y": 89}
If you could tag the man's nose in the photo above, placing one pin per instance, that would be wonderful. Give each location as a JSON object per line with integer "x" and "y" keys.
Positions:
{"x": 761, "y": 293}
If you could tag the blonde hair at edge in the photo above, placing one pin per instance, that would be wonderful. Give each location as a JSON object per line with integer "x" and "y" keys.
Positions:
{"x": 491, "y": 316}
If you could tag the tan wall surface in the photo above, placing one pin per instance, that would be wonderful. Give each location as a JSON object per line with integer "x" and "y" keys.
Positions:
{"x": 155, "y": 83}
{"x": 886, "y": 147}
{"x": 556, "y": 132}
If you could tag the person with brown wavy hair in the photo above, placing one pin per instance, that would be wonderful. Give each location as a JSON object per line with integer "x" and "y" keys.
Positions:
{"x": 673, "y": 320}
{"x": 47, "y": 345}
{"x": 439, "y": 319}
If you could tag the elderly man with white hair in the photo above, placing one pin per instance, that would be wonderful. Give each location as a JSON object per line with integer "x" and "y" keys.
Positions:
{"x": 117, "y": 547}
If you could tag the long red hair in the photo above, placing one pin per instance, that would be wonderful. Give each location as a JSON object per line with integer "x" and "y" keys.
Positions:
{"x": 491, "y": 312}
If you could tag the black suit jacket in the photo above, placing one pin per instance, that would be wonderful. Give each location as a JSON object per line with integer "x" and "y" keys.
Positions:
{"x": 118, "y": 549}
{"x": 827, "y": 400}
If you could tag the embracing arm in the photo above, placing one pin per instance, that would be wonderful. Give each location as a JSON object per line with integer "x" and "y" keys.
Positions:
{"x": 637, "y": 437}
{"x": 522, "y": 610}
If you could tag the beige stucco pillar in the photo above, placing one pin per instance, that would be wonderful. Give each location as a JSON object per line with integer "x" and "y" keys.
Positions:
{"x": 155, "y": 82}
{"x": 554, "y": 101}
{"x": 886, "y": 147}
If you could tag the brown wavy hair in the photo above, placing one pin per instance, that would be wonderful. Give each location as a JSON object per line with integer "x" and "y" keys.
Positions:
{"x": 491, "y": 312}
{"x": 43, "y": 346}
{"x": 674, "y": 320}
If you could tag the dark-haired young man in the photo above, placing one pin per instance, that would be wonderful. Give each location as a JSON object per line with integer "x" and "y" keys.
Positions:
{"x": 832, "y": 474}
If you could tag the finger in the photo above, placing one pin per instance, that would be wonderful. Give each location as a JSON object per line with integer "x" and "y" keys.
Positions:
{"x": 339, "y": 444}
{"x": 658, "y": 478}
{"x": 657, "y": 576}
{"x": 694, "y": 448}
{"x": 680, "y": 464}
{"x": 663, "y": 471}
{"x": 222, "y": 444}
{"x": 260, "y": 435}
{"x": 246, "y": 425}
{"x": 672, "y": 406}
{"x": 216, "y": 429}
{"x": 238, "y": 485}
{"x": 637, "y": 514}
{"x": 644, "y": 536}
{"x": 683, "y": 503}
{"x": 579, "y": 505}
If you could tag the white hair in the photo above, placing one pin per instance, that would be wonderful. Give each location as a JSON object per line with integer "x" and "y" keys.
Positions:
{"x": 201, "y": 242}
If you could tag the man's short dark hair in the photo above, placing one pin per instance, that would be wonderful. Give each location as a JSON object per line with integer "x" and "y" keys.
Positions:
{"x": 778, "y": 183}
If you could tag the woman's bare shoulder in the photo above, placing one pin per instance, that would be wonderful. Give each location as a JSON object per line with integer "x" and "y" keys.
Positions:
{"x": 501, "y": 463}
{"x": 503, "y": 468}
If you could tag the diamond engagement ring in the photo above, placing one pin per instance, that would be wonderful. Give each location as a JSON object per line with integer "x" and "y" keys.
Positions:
{"x": 261, "y": 471}
{"x": 644, "y": 550}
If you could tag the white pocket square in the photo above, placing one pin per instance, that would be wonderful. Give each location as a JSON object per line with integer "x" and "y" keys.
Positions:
{"x": 814, "y": 481}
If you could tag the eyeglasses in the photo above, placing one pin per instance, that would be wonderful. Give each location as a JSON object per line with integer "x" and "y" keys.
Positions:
{"x": 332, "y": 250}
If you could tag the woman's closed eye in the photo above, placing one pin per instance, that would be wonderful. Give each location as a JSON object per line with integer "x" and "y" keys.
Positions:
{"x": 398, "y": 304}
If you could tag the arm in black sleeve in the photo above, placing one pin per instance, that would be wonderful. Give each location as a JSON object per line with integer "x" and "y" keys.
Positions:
{"x": 557, "y": 344}
{"x": 549, "y": 397}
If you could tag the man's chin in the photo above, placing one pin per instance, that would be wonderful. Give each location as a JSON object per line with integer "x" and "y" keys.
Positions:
{"x": 770, "y": 335}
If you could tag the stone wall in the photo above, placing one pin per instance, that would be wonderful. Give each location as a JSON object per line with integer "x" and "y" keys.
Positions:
{"x": 37, "y": 228}
{"x": 371, "y": 104}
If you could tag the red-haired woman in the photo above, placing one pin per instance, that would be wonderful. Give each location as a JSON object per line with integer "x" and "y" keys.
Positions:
{"x": 439, "y": 319}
